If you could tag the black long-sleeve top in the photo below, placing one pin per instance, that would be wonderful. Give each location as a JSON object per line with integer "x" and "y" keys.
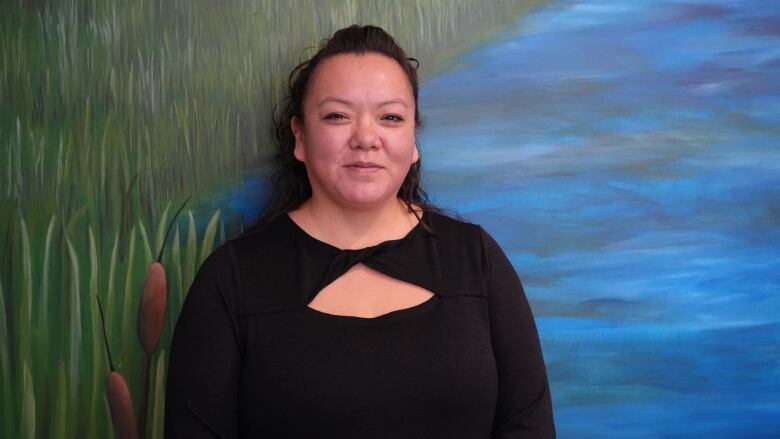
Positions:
{"x": 249, "y": 358}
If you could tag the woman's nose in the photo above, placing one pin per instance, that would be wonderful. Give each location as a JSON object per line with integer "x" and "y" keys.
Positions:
{"x": 364, "y": 135}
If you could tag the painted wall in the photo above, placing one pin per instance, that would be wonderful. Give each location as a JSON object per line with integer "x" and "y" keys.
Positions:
{"x": 625, "y": 155}
{"x": 112, "y": 113}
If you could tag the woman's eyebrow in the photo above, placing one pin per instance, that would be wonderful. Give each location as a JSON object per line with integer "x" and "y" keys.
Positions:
{"x": 336, "y": 100}
{"x": 394, "y": 101}
{"x": 348, "y": 103}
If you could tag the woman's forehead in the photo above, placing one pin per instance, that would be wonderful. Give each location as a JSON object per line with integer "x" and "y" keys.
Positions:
{"x": 354, "y": 78}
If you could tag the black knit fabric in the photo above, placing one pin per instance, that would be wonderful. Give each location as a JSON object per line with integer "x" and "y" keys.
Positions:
{"x": 249, "y": 358}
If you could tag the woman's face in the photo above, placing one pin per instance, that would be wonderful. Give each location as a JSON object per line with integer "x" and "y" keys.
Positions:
{"x": 357, "y": 137}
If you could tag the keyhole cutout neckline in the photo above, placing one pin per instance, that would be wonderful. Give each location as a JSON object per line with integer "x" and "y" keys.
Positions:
{"x": 380, "y": 319}
{"x": 423, "y": 299}
{"x": 377, "y": 295}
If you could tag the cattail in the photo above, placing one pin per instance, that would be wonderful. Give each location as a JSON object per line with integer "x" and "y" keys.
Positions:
{"x": 151, "y": 316}
{"x": 121, "y": 405}
{"x": 151, "y": 313}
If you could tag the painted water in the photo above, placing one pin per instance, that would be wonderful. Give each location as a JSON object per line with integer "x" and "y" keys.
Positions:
{"x": 626, "y": 154}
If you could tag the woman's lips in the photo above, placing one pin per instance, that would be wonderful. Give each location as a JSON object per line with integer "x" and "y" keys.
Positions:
{"x": 363, "y": 166}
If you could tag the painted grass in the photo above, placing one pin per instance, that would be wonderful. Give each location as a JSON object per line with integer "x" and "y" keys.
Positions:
{"x": 67, "y": 399}
{"x": 109, "y": 111}
{"x": 159, "y": 99}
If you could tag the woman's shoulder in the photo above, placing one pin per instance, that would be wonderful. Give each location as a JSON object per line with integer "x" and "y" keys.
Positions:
{"x": 240, "y": 254}
{"x": 266, "y": 236}
{"x": 456, "y": 234}
{"x": 266, "y": 264}
{"x": 452, "y": 226}
{"x": 262, "y": 228}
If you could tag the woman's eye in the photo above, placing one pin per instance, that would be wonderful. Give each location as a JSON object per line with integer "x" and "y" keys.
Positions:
{"x": 394, "y": 118}
{"x": 334, "y": 116}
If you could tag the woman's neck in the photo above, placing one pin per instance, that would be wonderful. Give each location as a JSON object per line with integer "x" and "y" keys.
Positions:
{"x": 353, "y": 229}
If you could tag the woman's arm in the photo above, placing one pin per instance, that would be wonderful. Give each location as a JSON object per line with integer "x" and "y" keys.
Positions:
{"x": 204, "y": 368}
{"x": 524, "y": 409}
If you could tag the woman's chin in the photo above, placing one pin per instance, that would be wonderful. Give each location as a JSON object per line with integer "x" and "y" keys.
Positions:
{"x": 367, "y": 200}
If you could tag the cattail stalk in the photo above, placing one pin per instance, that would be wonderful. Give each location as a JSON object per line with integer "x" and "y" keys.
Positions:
{"x": 120, "y": 402}
{"x": 151, "y": 317}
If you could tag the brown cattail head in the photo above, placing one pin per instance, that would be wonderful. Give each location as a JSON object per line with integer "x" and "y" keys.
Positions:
{"x": 121, "y": 405}
{"x": 151, "y": 312}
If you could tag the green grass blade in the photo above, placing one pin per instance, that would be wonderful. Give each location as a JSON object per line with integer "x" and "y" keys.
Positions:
{"x": 192, "y": 249}
{"x": 175, "y": 287}
{"x": 74, "y": 219}
{"x": 161, "y": 226}
{"x": 28, "y": 405}
{"x": 43, "y": 302}
{"x": 127, "y": 302}
{"x": 74, "y": 349}
{"x": 97, "y": 342}
{"x": 25, "y": 302}
{"x": 7, "y": 404}
{"x": 60, "y": 424}
{"x": 110, "y": 290}
{"x": 145, "y": 240}
{"x": 93, "y": 264}
{"x": 158, "y": 402}
{"x": 176, "y": 263}
{"x": 208, "y": 237}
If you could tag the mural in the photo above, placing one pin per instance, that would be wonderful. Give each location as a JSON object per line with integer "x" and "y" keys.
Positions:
{"x": 112, "y": 113}
{"x": 625, "y": 154}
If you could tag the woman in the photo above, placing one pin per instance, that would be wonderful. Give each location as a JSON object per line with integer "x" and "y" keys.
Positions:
{"x": 356, "y": 309}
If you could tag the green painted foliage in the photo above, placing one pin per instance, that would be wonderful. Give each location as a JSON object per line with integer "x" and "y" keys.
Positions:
{"x": 111, "y": 111}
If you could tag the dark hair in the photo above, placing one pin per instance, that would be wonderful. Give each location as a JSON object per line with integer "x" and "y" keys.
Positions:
{"x": 289, "y": 183}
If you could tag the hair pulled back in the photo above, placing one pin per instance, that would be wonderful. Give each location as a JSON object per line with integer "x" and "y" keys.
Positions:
{"x": 289, "y": 183}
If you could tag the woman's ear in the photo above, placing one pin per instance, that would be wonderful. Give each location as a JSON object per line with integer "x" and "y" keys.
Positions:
{"x": 297, "y": 128}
